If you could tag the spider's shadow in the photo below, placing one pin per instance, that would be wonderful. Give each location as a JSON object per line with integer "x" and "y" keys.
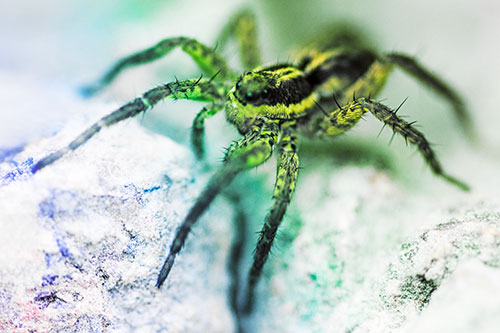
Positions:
{"x": 345, "y": 151}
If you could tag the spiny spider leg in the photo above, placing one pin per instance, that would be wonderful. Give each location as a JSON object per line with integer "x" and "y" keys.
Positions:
{"x": 409, "y": 133}
{"x": 244, "y": 28}
{"x": 250, "y": 151}
{"x": 286, "y": 177}
{"x": 206, "y": 58}
{"x": 198, "y": 90}
{"x": 412, "y": 67}
{"x": 336, "y": 122}
{"x": 198, "y": 129}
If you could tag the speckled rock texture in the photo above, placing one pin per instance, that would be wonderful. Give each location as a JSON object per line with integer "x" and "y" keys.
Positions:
{"x": 372, "y": 257}
{"x": 83, "y": 240}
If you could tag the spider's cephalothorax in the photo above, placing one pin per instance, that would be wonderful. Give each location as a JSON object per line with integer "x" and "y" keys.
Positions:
{"x": 278, "y": 92}
{"x": 271, "y": 106}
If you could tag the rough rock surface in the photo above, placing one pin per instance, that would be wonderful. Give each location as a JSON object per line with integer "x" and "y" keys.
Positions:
{"x": 82, "y": 240}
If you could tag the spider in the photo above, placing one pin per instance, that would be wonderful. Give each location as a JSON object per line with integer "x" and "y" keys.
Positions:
{"x": 322, "y": 93}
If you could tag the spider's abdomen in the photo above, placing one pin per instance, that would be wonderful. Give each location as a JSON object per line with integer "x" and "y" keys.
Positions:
{"x": 335, "y": 70}
{"x": 277, "y": 92}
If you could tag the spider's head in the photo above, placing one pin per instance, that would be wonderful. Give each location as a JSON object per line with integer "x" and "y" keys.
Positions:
{"x": 276, "y": 92}
{"x": 279, "y": 84}
{"x": 255, "y": 88}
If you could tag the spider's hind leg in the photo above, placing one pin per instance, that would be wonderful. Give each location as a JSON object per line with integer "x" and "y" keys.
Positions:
{"x": 198, "y": 90}
{"x": 415, "y": 69}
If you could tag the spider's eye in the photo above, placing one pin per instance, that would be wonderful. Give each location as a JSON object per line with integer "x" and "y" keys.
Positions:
{"x": 265, "y": 91}
{"x": 251, "y": 96}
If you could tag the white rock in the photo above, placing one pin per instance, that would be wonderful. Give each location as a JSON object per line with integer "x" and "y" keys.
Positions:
{"x": 82, "y": 240}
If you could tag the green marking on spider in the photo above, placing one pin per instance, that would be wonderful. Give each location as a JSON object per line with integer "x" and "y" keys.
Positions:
{"x": 311, "y": 96}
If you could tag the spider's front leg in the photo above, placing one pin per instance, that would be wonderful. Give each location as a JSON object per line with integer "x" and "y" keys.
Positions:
{"x": 252, "y": 150}
{"x": 344, "y": 118}
{"x": 242, "y": 26}
{"x": 286, "y": 177}
{"x": 198, "y": 90}
{"x": 206, "y": 58}
{"x": 410, "y": 134}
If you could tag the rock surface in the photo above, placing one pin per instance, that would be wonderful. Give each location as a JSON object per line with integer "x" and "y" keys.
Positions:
{"x": 83, "y": 240}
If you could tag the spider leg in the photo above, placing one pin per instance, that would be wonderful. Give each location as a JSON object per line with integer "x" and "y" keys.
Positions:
{"x": 198, "y": 129}
{"x": 342, "y": 119}
{"x": 198, "y": 90}
{"x": 408, "y": 132}
{"x": 338, "y": 121}
{"x": 415, "y": 69}
{"x": 250, "y": 151}
{"x": 369, "y": 84}
{"x": 206, "y": 58}
{"x": 286, "y": 177}
{"x": 244, "y": 28}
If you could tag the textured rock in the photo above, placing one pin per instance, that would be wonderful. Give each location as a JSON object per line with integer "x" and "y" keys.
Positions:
{"x": 351, "y": 262}
{"x": 83, "y": 240}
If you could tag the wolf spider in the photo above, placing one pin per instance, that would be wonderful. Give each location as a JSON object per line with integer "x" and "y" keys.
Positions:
{"x": 323, "y": 92}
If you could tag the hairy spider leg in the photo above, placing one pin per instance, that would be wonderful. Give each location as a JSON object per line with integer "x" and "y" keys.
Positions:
{"x": 199, "y": 90}
{"x": 286, "y": 177}
{"x": 368, "y": 84}
{"x": 250, "y": 151}
{"x": 348, "y": 114}
{"x": 339, "y": 121}
{"x": 411, "y": 135}
{"x": 243, "y": 28}
{"x": 198, "y": 129}
{"x": 415, "y": 69}
{"x": 207, "y": 59}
